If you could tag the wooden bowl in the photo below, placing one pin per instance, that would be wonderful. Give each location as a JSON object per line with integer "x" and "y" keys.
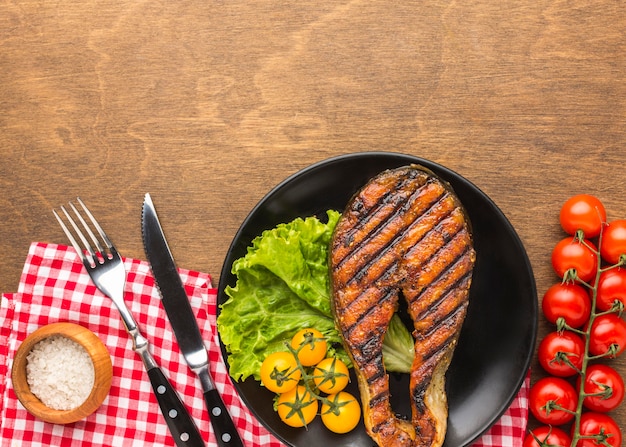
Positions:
{"x": 103, "y": 373}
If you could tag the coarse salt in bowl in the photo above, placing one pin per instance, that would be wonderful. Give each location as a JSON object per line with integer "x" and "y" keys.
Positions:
{"x": 62, "y": 373}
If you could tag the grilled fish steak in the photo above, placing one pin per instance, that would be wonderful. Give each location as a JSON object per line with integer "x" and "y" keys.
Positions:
{"x": 404, "y": 233}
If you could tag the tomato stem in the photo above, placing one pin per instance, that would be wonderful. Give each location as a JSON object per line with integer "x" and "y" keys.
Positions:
{"x": 587, "y": 358}
{"x": 334, "y": 405}
{"x": 561, "y": 325}
{"x": 552, "y": 405}
{"x": 571, "y": 276}
{"x": 544, "y": 442}
{"x": 563, "y": 357}
{"x": 296, "y": 407}
{"x": 606, "y": 393}
{"x": 600, "y": 438}
{"x": 307, "y": 378}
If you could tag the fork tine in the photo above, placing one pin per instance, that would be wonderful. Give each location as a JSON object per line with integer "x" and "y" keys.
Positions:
{"x": 93, "y": 237}
{"x": 95, "y": 223}
{"x": 91, "y": 253}
{"x": 70, "y": 236}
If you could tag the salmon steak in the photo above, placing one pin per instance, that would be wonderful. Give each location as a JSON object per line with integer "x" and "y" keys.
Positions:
{"x": 404, "y": 235}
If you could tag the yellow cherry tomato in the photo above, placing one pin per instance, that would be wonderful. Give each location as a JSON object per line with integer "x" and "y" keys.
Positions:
{"x": 341, "y": 413}
{"x": 310, "y": 345}
{"x": 331, "y": 375}
{"x": 297, "y": 407}
{"x": 280, "y": 372}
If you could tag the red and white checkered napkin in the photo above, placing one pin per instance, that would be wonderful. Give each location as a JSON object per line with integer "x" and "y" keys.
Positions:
{"x": 55, "y": 287}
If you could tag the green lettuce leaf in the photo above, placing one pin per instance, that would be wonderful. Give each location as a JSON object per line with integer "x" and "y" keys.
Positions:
{"x": 398, "y": 347}
{"x": 283, "y": 286}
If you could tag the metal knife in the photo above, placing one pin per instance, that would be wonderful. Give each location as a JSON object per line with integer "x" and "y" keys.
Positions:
{"x": 176, "y": 304}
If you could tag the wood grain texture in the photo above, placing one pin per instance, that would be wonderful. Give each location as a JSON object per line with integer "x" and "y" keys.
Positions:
{"x": 208, "y": 105}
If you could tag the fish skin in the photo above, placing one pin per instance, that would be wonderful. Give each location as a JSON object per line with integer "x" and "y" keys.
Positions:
{"x": 404, "y": 234}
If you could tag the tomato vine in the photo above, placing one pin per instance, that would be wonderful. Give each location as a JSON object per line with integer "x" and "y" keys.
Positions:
{"x": 584, "y": 259}
{"x": 304, "y": 379}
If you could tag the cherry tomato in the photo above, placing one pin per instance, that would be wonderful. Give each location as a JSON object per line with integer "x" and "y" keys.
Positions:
{"x": 341, "y": 412}
{"x": 561, "y": 353}
{"x": 600, "y": 425}
{"x": 280, "y": 372}
{"x": 614, "y": 241}
{"x": 607, "y": 385}
{"x": 608, "y": 331}
{"x": 331, "y": 375}
{"x": 297, "y": 407}
{"x": 311, "y": 346}
{"x": 570, "y": 253}
{"x": 568, "y": 300}
{"x": 549, "y": 398}
{"x": 611, "y": 288}
{"x": 582, "y": 212}
{"x": 546, "y": 435}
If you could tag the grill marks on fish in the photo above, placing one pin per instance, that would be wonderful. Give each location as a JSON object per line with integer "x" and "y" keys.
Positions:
{"x": 405, "y": 234}
{"x": 383, "y": 227}
{"x": 375, "y": 257}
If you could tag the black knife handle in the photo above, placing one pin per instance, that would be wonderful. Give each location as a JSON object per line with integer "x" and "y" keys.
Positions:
{"x": 181, "y": 425}
{"x": 223, "y": 425}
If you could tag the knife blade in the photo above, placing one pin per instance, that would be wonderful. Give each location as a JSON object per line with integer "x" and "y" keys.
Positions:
{"x": 184, "y": 324}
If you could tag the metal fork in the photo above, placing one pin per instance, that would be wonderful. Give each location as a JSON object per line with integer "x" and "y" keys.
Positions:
{"x": 106, "y": 269}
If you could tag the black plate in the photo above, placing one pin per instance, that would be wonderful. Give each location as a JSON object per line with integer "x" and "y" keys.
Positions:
{"x": 497, "y": 340}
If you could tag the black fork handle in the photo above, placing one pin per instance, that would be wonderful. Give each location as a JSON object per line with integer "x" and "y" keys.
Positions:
{"x": 179, "y": 421}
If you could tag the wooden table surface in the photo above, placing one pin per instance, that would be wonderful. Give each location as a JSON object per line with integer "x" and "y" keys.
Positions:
{"x": 207, "y": 105}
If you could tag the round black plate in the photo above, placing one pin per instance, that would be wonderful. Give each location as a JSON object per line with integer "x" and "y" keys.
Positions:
{"x": 498, "y": 337}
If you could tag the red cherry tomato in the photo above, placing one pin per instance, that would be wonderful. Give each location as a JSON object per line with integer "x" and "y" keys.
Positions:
{"x": 582, "y": 212}
{"x": 607, "y": 387}
{"x": 571, "y": 253}
{"x": 561, "y": 353}
{"x": 549, "y": 398}
{"x": 611, "y": 288}
{"x": 600, "y": 425}
{"x": 568, "y": 300}
{"x": 614, "y": 241}
{"x": 546, "y": 435}
{"x": 608, "y": 331}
